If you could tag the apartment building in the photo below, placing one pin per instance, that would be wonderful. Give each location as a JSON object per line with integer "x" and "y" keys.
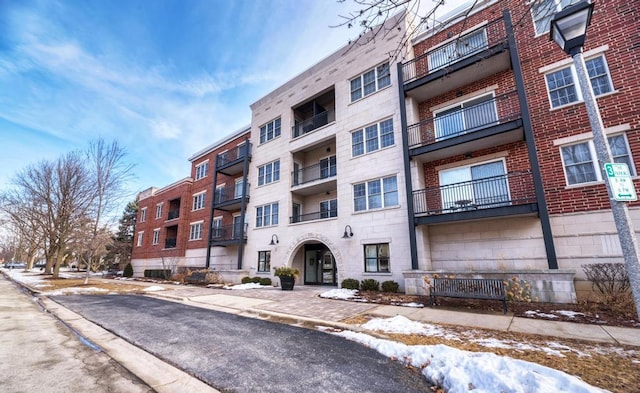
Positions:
{"x": 503, "y": 176}
{"x": 198, "y": 221}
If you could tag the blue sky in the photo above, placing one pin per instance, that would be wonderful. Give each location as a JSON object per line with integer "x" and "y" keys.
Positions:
{"x": 165, "y": 78}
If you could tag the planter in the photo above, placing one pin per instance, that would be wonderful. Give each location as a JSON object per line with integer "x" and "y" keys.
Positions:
{"x": 286, "y": 282}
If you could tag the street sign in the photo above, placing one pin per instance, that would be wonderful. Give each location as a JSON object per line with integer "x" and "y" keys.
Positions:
{"x": 621, "y": 183}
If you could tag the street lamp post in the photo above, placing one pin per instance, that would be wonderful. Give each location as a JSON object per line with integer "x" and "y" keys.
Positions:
{"x": 568, "y": 30}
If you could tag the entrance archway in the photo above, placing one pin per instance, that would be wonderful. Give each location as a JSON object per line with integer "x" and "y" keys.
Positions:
{"x": 317, "y": 258}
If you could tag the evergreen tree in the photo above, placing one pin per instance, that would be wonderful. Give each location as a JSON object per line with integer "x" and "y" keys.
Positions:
{"x": 120, "y": 251}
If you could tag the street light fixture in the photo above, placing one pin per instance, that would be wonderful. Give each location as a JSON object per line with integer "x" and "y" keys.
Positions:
{"x": 568, "y": 30}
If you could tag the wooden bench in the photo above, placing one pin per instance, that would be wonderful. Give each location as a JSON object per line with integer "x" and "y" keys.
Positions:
{"x": 196, "y": 278}
{"x": 469, "y": 288}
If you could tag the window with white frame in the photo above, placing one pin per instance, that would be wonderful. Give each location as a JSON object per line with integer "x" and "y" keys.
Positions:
{"x": 267, "y": 215}
{"x": 376, "y": 258}
{"x": 198, "y": 201}
{"x": 202, "y": 170}
{"x": 544, "y": 10}
{"x": 580, "y": 164}
{"x": 140, "y": 238}
{"x": 195, "y": 231}
{"x": 269, "y": 173}
{"x": 239, "y": 188}
{"x": 159, "y": 211}
{"x": 372, "y": 138}
{"x": 329, "y": 208}
{"x": 479, "y": 111}
{"x": 216, "y": 228}
{"x": 143, "y": 214}
{"x": 480, "y": 185}
{"x": 370, "y": 82}
{"x": 270, "y": 130}
{"x": 375, "y": 194}
{"x": 264, "y": 261}
{"x": 562, "y": 85}
{"x": 156, "y": 236}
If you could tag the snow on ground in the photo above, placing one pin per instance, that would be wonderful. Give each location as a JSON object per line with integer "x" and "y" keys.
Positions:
{"x": 251, "y": 285}
{"x": 340, "y": 293}
{"x": 153, "y": 288}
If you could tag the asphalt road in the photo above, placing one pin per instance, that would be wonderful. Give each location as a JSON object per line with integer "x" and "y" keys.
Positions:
{"x": 239, "y": 354}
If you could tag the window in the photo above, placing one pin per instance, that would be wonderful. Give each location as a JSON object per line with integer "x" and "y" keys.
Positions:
{"x": 267, "y": 215}
{"x": 370, "y": 82}
{"x": 202, "y": 170}
{"x": 468, "y": 115}
{"x": 376, "y": 258}
{"x": 195, "y": 231}
{"x": 264, "y": 261}
{"x": 328, "y": 167}
{"x": 156, "y": 236}
{"x": 375, "y": 194}
{"x": 140, "y": 238}
{"x": 269, "y": 173}
{"x": 198, "y": 201}
{"x": 159, "y": 211}
{"x": 474, "y": 186}
{"x": 372, "y": 138}
{"x": 543, "y": 11}
{"x": 270, "y": 130}
{"x": 579, "y": 163}
{"x": 329, "y": 208}
{"x": 239, "y": 188}
{"x": 562, "y": 84}
{"x": 143, "y": 214}
{"x": 216, "y": 228}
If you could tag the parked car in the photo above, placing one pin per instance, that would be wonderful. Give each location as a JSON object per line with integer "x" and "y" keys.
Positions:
{"x": 40, "y": 265}
{"x": 15, "y": 265}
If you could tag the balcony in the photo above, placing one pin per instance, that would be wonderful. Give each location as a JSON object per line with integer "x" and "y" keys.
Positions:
{"x": 315, "y": 179}
{"x": 313, "y": 114}
{"x": 496, "y": 196}
{"x": 308, "y": 125}
{"x": 231, "y": 198}
{"x": 173, "y": 214}
{"x": 321, "y": 215}
{"x": 231, "y": 162}
{"x": 228, "y": 234}
{"x": 477, "y": 124}
{"x": 464, "y": 59}
{"x": 174, "y": 209}
{"x": 170, "y": 243}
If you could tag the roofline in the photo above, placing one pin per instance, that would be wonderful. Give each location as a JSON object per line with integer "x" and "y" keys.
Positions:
{"x": 244, "y": 130}
{"x": 152, "y": 191}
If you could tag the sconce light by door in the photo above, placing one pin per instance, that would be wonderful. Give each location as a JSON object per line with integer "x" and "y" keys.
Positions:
{"x": 274, "y": 240}
{"x": 347, "y": 232}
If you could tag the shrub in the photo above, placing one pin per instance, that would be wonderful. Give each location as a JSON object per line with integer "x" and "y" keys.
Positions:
{"x": 369, "y": 284}
{"x": 128, "y": 270}
{"x": 256, "y": 280}
{"x": 390, "y": 286}
{"x": 286, "y": 271}
{"x": 266, "y": 281}
{"x": 246, "y": 280}
{"x": 611, "y": 284}
{"x": 517, "y": 290}
{"x": 157, "y": 273}
{"x": 350, "y": 283}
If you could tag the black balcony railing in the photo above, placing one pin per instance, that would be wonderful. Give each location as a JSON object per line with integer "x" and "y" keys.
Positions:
{"x": 459, "y": 48}
{"x": 173, "y": 214}
{"x": 170, "y": 243}
{"x": 314, "y": 172}
{"x": 227, "y": 194}
{"x": 313, "y": 216}
{"x": 473, "y": 117}
{"x": 515, "y": 188}
{"x": 234, "y": 154}
{"x": 317, "y": 121}
{"x": 228, "y": 232}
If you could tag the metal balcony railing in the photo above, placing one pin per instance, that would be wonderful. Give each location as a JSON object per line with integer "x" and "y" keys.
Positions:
{"x": 471, "y": 118}
{"x": 233, "y": 154}
{"x": 313, "y": 173}
{"x": 515, "y": 188}
{"x": 173, "y": 214}
{"x": 226, "y": 194}
{"x": 459, "y": 48}
{"x": 317, "y": 121}
{"x": 313, "y": 216}
{"x": 229, "y": 232}
{"x": 170, "y": 243}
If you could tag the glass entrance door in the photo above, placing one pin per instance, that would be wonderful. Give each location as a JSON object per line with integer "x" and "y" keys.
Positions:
{"x": 319, "y": 266}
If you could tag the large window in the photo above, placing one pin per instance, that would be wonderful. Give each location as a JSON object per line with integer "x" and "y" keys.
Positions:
{"x": 370, "y": 82}
{"x": 543, "y": 11}
{"x": 264, "y": 261}
{"x": 480, "y": 185}
{"x": 195, "y": 231}
{"x": 580, "y": 165}
{"x": 465, "y": 116}
{"x": 267, "y": 215}
{"x": 376, "y": 258}
{"x": 198, "y": 201}
{"x": 143, "y": 214}
{"x": 372, "y": 138}
{"x": 216, "y": 228}
{"x": 156, "y": 236}
{"x": 270, "y": 130}
{"x": 329, "y": 208}
{"x": 269, "y": 173}
{"x": 562, "y": 85}
{"x": 375, "y": 194}
{"x": 202, "y": 170}
{"x": 140, "y": 238}
{"x": 328, "y": 167}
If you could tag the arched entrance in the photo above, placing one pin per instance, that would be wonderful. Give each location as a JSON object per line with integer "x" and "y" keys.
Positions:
{"x": 319, "y": 265}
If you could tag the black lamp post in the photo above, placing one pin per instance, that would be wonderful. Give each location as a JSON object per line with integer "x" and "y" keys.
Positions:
{"x": 568, "y": 30}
